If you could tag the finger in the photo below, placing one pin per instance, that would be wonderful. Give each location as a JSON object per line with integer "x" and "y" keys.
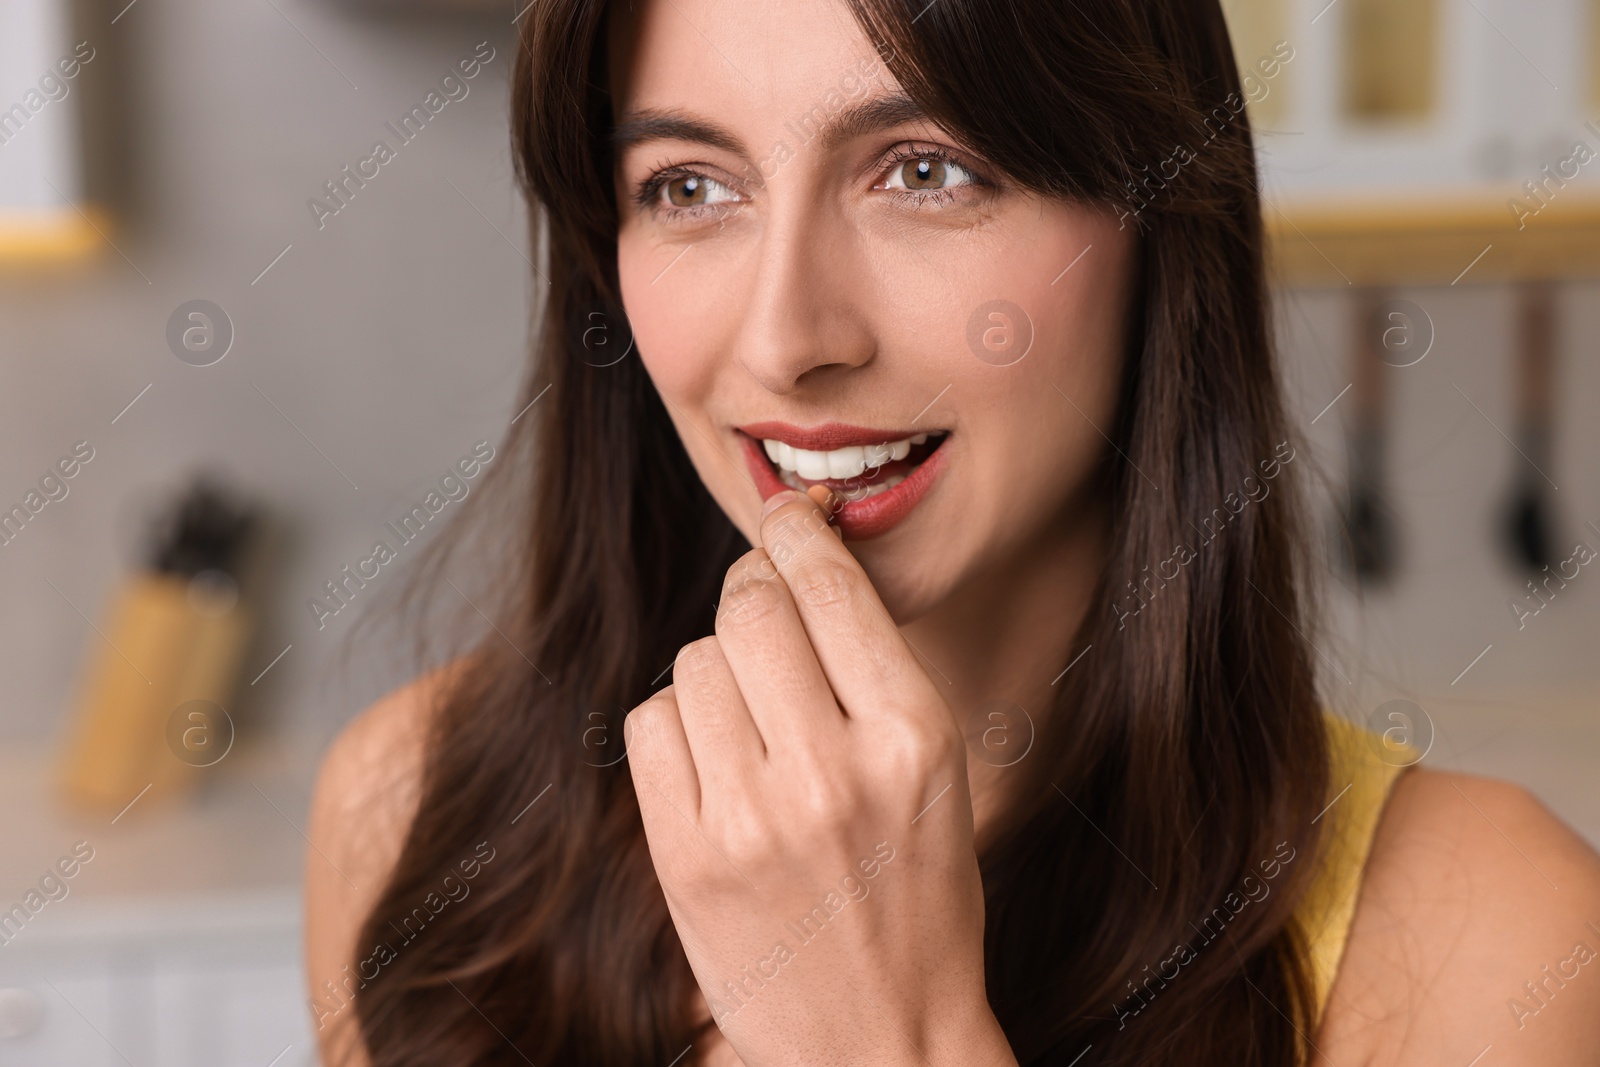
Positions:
{"x": 726, "y": 744}
{"x": 868, "y": 664}
{"x": 770, "y": 654}
{"x": 660, "y": 760}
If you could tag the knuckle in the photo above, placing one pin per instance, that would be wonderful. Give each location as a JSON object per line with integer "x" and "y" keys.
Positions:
{"x": 823, "y": 585}
{"x": 950, "y": 747}
{"x": 648, "y": 719}
{"x": 745, "y": 838}
{"x": 698, "y": 659}
{"x": 823, "y": 793}
{"x": 828, "y": 806}
{"x": 655, "y": 707}
{"x": 743, "y": 567}
{"x": 753, "y": 592}
{"x": 918, "y": 749}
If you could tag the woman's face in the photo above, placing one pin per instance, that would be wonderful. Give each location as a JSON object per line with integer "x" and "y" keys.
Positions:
{"x": 813, "y": 272}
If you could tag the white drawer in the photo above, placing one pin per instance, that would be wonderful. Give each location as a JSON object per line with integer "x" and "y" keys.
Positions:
{"x": 199, "y": 983}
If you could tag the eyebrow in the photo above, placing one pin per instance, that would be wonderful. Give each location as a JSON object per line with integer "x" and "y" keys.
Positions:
{"x": 656, "y": 124}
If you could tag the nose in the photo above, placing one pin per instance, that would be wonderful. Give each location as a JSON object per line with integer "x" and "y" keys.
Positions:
{"x": 805, "y": 318}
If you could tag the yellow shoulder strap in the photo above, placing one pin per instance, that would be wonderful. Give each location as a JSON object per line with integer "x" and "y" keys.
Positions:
{"x": 1362, "y": 768}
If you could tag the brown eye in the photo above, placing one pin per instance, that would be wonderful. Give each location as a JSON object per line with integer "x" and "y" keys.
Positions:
{"x": 923, "y": 173}
{"x": 686, "y": 192}
{"x": 930, "y": 173}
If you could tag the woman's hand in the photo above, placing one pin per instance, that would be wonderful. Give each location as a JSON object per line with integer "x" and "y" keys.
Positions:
{"x": 803, "y": 787}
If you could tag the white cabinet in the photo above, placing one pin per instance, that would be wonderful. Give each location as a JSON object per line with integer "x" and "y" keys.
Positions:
{"x": 166, "y": 982}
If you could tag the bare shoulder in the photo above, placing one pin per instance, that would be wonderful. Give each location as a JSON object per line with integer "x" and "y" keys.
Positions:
{"x": 365, "y": 798}
{"x": 367, "y": 788}
{"x": 1478, "y": 927}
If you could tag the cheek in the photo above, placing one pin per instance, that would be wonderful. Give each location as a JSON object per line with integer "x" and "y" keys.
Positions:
{"x": 682, "y": 325}
{"x": 1022, "y": 464}
{"x": 665, "y": 318}
{"x": 1035, "y": 422}
{"x": 1079, "y": 346}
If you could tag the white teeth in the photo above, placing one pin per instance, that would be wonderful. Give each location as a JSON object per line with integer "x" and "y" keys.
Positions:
{"x": 839, "y": 463}
{"x": 791, "y": 479}
{"x": 812, "y": 465}
{"x": 846, "y": 462}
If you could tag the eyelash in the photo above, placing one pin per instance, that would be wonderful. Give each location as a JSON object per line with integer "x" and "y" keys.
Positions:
{"x": 647, "y": 197}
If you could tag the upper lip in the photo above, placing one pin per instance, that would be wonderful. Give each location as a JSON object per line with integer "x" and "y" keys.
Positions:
{"x": 828, "y": 436}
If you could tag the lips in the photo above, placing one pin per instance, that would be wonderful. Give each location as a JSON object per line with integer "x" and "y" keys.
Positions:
{"x": 861, "y": 517}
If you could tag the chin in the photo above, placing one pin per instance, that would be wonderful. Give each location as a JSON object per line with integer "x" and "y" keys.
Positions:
{"x": 911, "y": 578}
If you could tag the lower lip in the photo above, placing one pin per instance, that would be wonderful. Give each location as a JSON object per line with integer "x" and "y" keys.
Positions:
{"x": 858, "y": 519}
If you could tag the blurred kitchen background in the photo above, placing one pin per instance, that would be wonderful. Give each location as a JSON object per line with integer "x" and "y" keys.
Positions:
{"x": 174, "y": 307}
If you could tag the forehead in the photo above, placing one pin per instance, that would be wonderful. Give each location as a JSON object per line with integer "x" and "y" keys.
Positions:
{"x": 751, "y": 63}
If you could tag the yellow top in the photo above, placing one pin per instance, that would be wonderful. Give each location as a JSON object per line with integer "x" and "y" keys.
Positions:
{"x": 1362, "y": 768}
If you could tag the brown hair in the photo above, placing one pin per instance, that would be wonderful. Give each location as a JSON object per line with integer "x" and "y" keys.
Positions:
{"x": 1185, "y": 752}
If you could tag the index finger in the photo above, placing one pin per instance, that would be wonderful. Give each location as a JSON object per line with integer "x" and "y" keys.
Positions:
{"x": 870, "y": 666}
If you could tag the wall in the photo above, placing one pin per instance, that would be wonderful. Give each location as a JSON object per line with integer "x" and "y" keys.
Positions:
{"x": 390, "y": 340}
{"x": 381, "y": 346}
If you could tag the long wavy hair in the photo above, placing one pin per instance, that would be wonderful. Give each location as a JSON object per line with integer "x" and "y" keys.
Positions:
{"x": 1184, "y": 752}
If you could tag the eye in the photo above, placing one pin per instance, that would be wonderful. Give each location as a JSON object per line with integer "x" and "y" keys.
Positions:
{"x": 686, "y": 193}
{"x": 695, "y": 190}
{"x": 927, "y": 174}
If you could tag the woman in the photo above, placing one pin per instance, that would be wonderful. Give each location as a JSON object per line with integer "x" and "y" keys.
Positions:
{"x": 1008, "y": 747}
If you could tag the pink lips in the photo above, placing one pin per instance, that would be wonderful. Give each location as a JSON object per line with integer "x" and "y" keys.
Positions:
{"x": 858, "y": 519}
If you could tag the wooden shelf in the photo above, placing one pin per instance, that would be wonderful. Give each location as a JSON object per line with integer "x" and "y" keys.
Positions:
{"x": 53, "y": 235}
{"x": 1467, "y": 237}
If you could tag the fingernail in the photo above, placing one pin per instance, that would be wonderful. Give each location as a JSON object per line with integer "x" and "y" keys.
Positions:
{"x": 777, "y": 500}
